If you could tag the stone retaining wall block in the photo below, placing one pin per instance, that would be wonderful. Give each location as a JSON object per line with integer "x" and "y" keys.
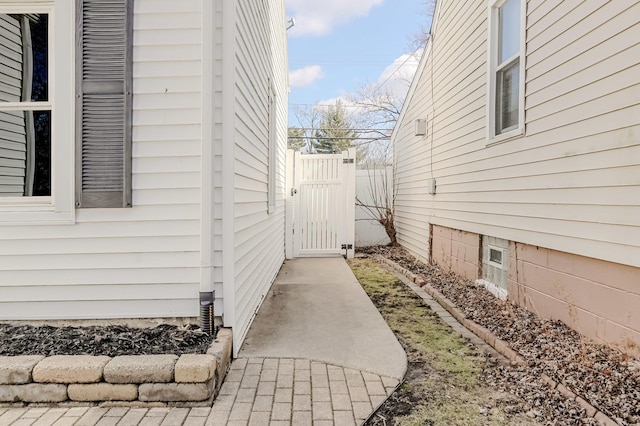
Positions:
{"x": 102, "y": 392}
{"x": 17, "y": 370}
{"x": 70, "y": 369}
{"x": 140, "y": 369}
{"x": 195, "y": 368}
{"x": 33, "y": 392}
{"x": 175, "y": 391}
{"x": 221, "y": 349}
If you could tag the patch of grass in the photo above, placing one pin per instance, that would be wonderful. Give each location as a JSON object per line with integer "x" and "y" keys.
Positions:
{"x": 407, "y": 315}
{"x": 442, "y": 386}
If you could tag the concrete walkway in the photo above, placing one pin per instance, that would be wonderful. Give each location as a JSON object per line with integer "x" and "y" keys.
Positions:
{"x": 317, "y": 310}
{"x": 318, "y": 353}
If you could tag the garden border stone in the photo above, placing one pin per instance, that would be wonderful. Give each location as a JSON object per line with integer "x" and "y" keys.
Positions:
{"x": 17, "y": 369}
{"x": 131, "y": 380}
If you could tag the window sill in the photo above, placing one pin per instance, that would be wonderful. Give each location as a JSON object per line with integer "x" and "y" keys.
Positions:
{"x": 35, "y": 211}
{"x": 499, "y": 292}
{"x": 504, "y": 137}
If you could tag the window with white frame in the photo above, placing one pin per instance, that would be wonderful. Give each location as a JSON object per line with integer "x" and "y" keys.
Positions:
{"x": 506, "y": 68}
{"x": 36, "y": 111}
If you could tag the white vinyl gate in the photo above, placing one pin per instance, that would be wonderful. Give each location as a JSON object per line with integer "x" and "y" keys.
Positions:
{"x": 320, "y": 204}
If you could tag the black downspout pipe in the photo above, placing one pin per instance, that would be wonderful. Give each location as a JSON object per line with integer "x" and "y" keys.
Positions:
{"x": 206, "y": 312}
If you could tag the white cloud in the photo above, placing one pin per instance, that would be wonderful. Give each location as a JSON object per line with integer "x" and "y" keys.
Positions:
{"x": 318, "y": 17}
{"x": 305, "y": 76}
{"x": 396, "y": 78}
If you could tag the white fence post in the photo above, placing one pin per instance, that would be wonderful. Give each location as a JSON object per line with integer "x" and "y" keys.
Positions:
{"x": 289, "y": 206}
{"x": 350, "y": 202}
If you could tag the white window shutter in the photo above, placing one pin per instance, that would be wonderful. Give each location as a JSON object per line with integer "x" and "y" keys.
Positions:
{"x": 104, "y": 80}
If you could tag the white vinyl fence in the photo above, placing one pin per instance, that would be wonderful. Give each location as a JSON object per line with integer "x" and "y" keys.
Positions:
{"x": 372, "y": 186}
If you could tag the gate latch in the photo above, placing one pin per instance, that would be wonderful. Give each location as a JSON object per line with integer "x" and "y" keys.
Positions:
{"x": 347, "y": 246}
{"x": 347, "y": 161}
{"x": 293, "y": 191}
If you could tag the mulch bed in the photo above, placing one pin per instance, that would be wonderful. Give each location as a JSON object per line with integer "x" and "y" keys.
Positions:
{"x": 609, "y": 380}
{"x": 112, "y": 340}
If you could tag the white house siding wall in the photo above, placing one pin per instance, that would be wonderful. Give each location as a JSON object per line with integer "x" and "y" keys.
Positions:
{"x": 570, "y": 183}
{"x": 136, "y": 262}
{"x": 258, "y": 235}
{"x": 411, "y": 178}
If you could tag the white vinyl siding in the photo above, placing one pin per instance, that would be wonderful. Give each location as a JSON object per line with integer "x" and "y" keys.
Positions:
{"x": 571, "y": 183}
{"x": 143, "y": 261}
{"x": 259, "y": 236}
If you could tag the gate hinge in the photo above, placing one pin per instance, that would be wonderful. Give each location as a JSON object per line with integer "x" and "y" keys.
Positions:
{"x": 347, "y": 246}
{"x": 348, "y": 161}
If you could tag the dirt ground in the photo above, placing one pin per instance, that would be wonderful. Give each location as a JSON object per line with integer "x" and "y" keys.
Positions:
{"x": 488, "y": 393}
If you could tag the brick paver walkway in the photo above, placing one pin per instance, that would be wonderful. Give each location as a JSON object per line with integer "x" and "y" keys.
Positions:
{"x": 256, "y": 392}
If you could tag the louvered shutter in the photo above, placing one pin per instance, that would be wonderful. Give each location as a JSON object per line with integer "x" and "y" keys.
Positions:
{"x": 104, "y": 79}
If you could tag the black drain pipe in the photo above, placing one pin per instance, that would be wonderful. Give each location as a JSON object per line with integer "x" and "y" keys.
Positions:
{"x": 206, "y": 312}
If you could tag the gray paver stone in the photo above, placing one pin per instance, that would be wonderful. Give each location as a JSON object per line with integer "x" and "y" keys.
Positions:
{"x": 33, "y": 392}
{"x": 343, "y": 418}
{"x": 263, "y": 403}
{"x": 140, "y": 369}
{"x": 200, "y": 412}
{"x": 70, "y": 369}
{"x": 241, "y": 411}
{"x": 281, "y": 411}
{"x": 301, "y": 418}
{"x": 259, "y": 419}
{"x": 108, "y": 421}
{"x": 102, "y": 392}
{"x": 150, "y": 421}
{"x": 175, "y": 391}
{"x": 341, "y": 402}
{"x": 322, "y": 411}
{"x": 194, "y": 421}
{"x": 195, "y": 368}
{"x": 50, "y": 417}
{"x": 133, "y": 417}
{"x": 9, "y": 416}
{"x": 302, "y": 403}
{"x": 389, "y": 382}
{"x": 65, "y": 421}
{"x": 175, "y": 416}
{"x": 34, "y": 413}
{"x": 361, "y": 410}
{"x": 376, "y": 388}
{"x": 16, "y": 370}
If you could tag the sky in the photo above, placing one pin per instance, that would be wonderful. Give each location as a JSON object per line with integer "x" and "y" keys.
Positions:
{"x": 338, "y": 46}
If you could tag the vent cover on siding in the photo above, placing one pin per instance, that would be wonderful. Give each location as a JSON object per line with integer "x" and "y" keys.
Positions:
{"x": 104, "y": 103}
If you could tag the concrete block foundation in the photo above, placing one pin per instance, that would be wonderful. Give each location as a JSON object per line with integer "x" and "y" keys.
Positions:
{"x": 599, "y": 299}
